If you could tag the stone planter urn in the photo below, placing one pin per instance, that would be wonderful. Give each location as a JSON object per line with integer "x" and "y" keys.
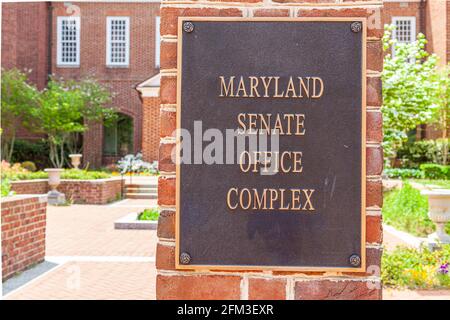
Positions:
{"x": 439, "y": 213}
{"x": 54, "y": 179}
{"x": 75, "y": 160}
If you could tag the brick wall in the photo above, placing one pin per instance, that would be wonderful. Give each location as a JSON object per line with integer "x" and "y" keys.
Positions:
{"x": 150, "y": 128}
{"x": 99, "y": 191}
{"x": 25, "y": 39}
{"x": 38, "y": 186}
{"x": 210, "y": 284}
{"x": 25, "y": 44}
{"x": 23, "y": 226}
{"x": 402, "y": 9}
{"x": 122, "y": 81}
{"x": 438, "y": 28}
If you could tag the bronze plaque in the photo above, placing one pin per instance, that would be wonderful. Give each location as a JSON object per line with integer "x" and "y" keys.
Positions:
{"x": 298, "y": 204}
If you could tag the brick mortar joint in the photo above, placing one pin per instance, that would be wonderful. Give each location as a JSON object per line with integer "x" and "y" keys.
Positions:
{"x": 298, "y": 277}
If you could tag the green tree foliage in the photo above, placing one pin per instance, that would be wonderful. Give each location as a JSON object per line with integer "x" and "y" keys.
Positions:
{"x": 409, "y": 89}
{"x": 442, "y": 111}
{"x": 64, "y": 110}
{"x": 18, "y": 98}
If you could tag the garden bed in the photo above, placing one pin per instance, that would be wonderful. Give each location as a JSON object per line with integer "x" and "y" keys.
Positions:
{"x": 145, "y": 220}
{"x": 130, "y": 221}
{"x": 98, "y": 191}
{"x": 23, "y": 227}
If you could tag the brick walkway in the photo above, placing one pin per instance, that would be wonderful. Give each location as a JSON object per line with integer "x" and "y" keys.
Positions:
{"x": 96, "y": 261}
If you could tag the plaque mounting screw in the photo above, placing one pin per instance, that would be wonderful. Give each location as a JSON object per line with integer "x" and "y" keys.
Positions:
{"x": 188, "y": 27}
{"x": 356, "y": 27}
{"x": 185, "y": 258}
{"x": 354, "y": 260}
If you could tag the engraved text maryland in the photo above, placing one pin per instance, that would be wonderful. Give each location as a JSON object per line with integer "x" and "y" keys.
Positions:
{"x": 286, "y": 124}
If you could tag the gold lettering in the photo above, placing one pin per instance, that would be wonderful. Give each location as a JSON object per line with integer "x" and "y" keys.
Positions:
{"x": 229, "y": 198}
{"x": 254, "y": 87}
{"x": 266, "y": 85}
{"x": 315, "y": 94}
{"x": 228, "y": 89}
{"x": 303, "y": 87}
{"x": 258, "y": 201}
{"x": 241, "y": 197}
{"x": 277, "y": 94}
{"x": 308, "y": 193}
{"x": 291, "y": 89}
{"x": 295, "y": 201}
{"x": 241, "y": 87}
{"x": 300, "y": 125}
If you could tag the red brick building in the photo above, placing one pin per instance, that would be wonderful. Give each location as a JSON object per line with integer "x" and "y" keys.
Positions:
{"x": 33, "y": 38}
{"x": 430, "y": 17}
{"x": 115, "y": 42}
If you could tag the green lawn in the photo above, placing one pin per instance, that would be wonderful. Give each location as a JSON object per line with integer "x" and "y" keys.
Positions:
{"x": 440, "y": 183}
{"x": 407, "y": 210}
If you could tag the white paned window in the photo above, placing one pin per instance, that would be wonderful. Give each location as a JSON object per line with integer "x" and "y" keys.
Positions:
{"x": 157, "y": 41}
{"x": 118, "y": 41}
{"x": 405, "y": 29}
{"x": 68, "y": 41}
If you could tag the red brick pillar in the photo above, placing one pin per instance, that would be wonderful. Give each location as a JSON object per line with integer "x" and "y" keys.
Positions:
{"x": 150, "y": 128}
{"x": 210, "y": 284}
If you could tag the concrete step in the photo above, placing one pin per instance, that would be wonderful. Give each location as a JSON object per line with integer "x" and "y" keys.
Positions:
{"x": 141, "y": 185}
{"x": 141, "y": 196}
{"x": 141, "y": 190}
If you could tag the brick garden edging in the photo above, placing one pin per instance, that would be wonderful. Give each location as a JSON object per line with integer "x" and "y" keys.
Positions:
{"x": 23, "y": 226}
{"x": 100, "y": 191}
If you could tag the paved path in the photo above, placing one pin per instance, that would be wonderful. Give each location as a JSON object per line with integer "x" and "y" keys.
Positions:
{"x": 95, "y": 261}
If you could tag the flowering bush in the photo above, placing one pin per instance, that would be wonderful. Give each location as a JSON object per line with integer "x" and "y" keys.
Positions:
{"x": 11, "y": 172}
{"x": 134, "y": 164}
{"x": 417, "y": 268}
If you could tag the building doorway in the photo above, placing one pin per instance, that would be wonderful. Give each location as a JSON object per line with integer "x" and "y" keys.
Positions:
{"x": 118, "y": 137}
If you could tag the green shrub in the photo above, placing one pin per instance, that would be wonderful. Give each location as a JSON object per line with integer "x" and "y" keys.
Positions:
{"x": 423, "y": 151}
{"x": 435, "y": 171}
{"x": 5, "y": 187}
{"x": 74, "y": 174}
{"x": 149, "y": 215}
{"x": 29, "y": 165}
{"x": 412, "y": 268}
{"x": 36, "y": 151}
{"x": 26, "y": 175}
{"x": 84, "y": 174}
{"x": 398, "y": 173}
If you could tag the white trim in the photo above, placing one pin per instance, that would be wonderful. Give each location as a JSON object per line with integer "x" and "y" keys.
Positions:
{"x": 59, "y": 60}
{"x": 157, "y": 42}
{"x": 149, "y": 92}
{"x": 110, "y": 63}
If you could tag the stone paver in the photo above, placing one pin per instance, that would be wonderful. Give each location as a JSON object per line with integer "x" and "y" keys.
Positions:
{"x": 85, "y": 230}
{"x": 95, "y": 260}
{"x": 391, "y": 241}
{"x": 93, "y": 280}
